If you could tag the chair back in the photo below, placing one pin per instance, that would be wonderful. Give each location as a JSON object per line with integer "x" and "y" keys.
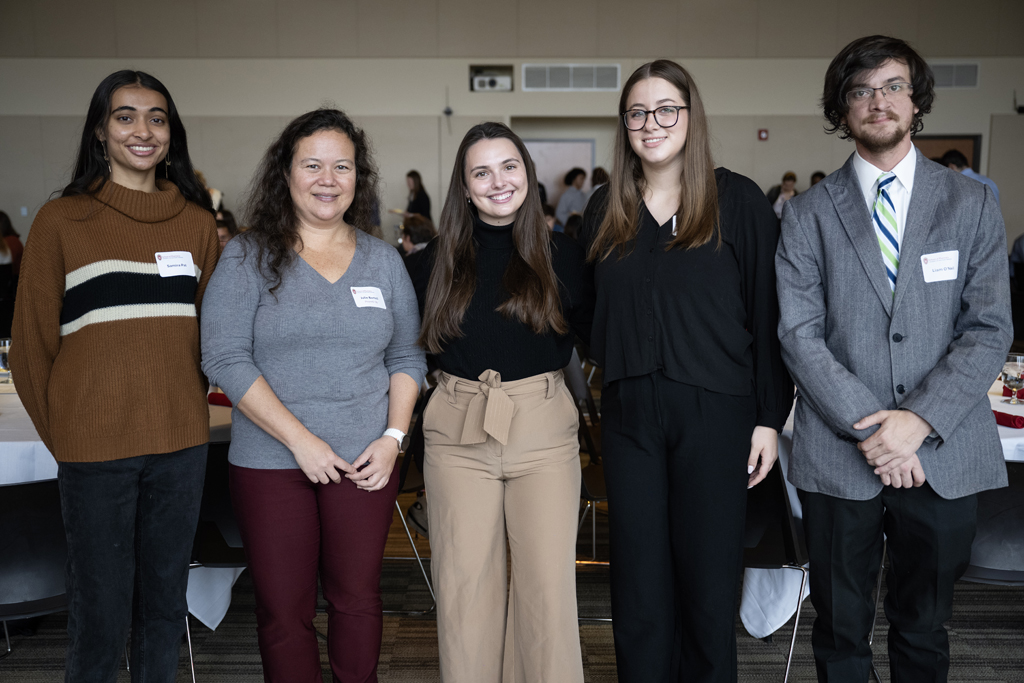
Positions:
{"x": 579, "y": 388}
{"x": 772, "y": 538}
{"x": 33, "y": 550}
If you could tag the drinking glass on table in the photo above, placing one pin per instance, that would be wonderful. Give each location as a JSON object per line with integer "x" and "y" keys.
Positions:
{"x": 1013, "y": 377}
{"x": 5, "y": 368}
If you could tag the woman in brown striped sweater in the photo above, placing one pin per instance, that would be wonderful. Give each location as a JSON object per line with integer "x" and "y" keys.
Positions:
{"x": 105, "y": 357}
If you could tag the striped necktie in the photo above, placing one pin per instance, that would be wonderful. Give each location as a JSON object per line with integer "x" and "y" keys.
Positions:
{"x": 886, "y": 228}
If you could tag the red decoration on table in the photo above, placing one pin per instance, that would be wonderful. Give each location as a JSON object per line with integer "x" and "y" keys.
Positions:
{"x": 1007, "y": 391}
{"x": 1007, "y": 420}
{"x": 218, "y": 399}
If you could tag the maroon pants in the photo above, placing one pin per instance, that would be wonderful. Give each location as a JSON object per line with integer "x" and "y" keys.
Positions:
{"x": 292, "y": 529}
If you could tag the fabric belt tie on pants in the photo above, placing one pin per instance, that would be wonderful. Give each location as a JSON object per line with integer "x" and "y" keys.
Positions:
{"x": 491, "y": 410}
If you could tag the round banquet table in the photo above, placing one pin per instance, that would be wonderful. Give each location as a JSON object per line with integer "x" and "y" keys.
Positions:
{"x": 770, "y": 595}
{"x": 24, "y": 458}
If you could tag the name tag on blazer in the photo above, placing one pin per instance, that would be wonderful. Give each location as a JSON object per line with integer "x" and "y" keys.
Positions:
{"x": 941, "y": 266}
{"x": 368, "y": 297}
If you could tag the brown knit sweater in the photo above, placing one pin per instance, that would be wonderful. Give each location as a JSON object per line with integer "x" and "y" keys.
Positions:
{"x": 105, "y": 351}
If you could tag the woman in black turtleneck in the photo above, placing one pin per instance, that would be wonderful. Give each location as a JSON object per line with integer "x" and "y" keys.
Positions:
{"x": 501, "y": 297}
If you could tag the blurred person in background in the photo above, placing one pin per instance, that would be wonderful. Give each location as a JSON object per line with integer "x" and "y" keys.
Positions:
{"x": 574, "y": 199}
{"x": 419, "y": 200}
{"x": 956, "y": 161}
{"x": 778, "y": 195}
{"x": 817, "y": 177}
{"x": 598, "y": 178}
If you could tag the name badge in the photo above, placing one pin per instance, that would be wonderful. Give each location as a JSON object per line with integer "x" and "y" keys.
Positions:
{"x": 171, "y": 263}
{"x": 941, "y": 266}
{"x": 368, "y": 297}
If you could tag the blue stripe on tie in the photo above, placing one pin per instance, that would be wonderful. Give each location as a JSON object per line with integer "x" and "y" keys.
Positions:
{"x": 887, "y": 181}
{"x": 885, "y": 231}
{"x": 892, "y": 275}
{"x": 885, "y": 196}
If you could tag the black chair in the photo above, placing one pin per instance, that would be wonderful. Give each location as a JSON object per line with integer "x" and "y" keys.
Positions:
{"x": 33, "y": 552}
{"x": 772, "y": 539}
{"x": 586, "y": 406}
{"x": 410, "y": 480}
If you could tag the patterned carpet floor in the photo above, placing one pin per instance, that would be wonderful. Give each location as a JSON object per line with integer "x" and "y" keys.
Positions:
{"x": 986, "y": 634}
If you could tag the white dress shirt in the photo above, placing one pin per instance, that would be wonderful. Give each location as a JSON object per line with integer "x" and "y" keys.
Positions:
{"x": 899, "y": 190}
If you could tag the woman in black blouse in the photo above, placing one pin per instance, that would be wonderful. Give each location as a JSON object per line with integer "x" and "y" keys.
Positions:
{"x": 685, "y": 328}
{"x": 502, "y": 296}
{"x": 419, "y": 200}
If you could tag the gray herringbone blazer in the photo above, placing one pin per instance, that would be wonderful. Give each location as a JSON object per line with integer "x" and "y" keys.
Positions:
{"x": 854, "y": 349}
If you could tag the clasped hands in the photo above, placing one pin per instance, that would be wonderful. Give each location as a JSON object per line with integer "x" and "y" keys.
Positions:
{"x": 370, "y": 471}
{"x": 892, "y": 450}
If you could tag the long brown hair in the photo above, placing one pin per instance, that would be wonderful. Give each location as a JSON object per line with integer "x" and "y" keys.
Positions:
{"x": 274, "y": 230}
{"x": 529, "y": 277}
{"x": 697, "y": 218}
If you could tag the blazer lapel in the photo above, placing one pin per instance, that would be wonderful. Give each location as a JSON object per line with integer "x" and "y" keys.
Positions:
{"x": 920, "y": 216}
{"x": 849, "y": 203}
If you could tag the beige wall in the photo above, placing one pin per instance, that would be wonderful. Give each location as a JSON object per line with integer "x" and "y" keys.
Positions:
{"x": 498, "y": 28}
{"x": 1007, "y": 169}
{"x": 240, "y": 69}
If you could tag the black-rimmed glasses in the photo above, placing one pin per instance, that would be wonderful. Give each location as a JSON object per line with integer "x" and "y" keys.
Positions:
{"x": 666, "y": 117}
{"x": 865, "y": 94}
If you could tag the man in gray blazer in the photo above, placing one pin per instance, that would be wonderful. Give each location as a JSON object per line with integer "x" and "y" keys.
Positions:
{"x": 895, "y": 319}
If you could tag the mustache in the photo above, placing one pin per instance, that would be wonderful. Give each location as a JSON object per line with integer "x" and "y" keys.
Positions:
{"x": 891, "y": 115}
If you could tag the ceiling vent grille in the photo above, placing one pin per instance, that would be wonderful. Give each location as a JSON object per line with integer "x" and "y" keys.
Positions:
{"x": 571, "y": 77}
{"x": 955, "y": 75}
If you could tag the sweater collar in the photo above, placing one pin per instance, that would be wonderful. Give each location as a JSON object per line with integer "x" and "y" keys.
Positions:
{"x": 144, "y": 207}
{"x": 492, "y": 236}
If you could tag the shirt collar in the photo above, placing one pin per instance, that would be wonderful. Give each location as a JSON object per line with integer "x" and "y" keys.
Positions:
{"x": 867, "y": 173}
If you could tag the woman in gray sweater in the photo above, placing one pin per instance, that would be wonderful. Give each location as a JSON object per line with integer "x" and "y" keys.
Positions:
{"x": 309, "y": 325}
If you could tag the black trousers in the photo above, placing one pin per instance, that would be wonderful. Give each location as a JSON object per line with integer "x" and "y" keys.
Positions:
{"x": 675, "y": 462}
{"x": 929, "y": 547}
{"x": 129, "y": 525}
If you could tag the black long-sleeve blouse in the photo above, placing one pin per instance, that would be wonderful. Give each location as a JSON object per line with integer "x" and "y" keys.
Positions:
{"x": 490, "y": 340}
{"x": 706, "y": 316}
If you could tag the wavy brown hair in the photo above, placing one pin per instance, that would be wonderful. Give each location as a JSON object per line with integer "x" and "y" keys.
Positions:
{"x": 697, "y": 218}
{"x": 271, "y": 214}
{"x": 867, "y": 54}
{"x": 529, "y": 277}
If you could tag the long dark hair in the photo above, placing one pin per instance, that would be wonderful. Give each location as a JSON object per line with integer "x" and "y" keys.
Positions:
{"x": 867, "y": 54}
{"x": 6, "y": 227}
{"x": 697, "y": 218}
{"x": 529, "y": 278}
{"x": 90, "y": 167}
{"x": 417, "y": 184}
{"x": 274, "y": 226}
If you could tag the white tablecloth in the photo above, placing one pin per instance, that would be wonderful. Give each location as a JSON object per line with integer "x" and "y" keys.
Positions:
{"x": 770, "y": 595}
{"x": 24, "y": 458}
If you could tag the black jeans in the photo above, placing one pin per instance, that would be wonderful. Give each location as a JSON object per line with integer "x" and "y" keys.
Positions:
{"x": 929, "y": 547}
{"x": 130, "y": 525}
{"x": 675, "y": 462}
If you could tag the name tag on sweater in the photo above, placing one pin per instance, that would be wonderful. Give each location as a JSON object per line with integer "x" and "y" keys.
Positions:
{"x": 368, "y": 297}
{"x": 172, "y": 263}
{"x": 940, "y": 266}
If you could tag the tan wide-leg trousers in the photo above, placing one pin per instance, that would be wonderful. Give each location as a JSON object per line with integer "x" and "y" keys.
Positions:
{"x": 502, "y": 459}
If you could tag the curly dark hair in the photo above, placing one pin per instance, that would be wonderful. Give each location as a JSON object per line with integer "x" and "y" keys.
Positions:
{"x": 271, "y": 214}
{"x": 866, "y": 54}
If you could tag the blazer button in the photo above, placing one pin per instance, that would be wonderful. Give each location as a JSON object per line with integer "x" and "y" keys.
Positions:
{"x": 900, "y": 389}
{"x": 897, "y": 337}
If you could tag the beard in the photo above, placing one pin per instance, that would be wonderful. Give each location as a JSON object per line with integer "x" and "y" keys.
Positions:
{"x": 883, "y": 142}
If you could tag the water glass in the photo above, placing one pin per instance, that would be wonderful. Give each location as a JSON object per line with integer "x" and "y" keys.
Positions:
{"x": 1013, "y": 377}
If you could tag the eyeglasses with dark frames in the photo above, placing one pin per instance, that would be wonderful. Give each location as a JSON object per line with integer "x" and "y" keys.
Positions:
{"x": 862, "y": 95}
{"x": 666, "y": 117}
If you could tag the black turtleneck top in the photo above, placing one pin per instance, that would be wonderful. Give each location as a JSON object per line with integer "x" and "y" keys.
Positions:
{"x": 489, "y": 340}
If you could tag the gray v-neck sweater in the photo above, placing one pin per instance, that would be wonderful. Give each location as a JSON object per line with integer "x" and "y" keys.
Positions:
{"x": 327, "y": 359}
